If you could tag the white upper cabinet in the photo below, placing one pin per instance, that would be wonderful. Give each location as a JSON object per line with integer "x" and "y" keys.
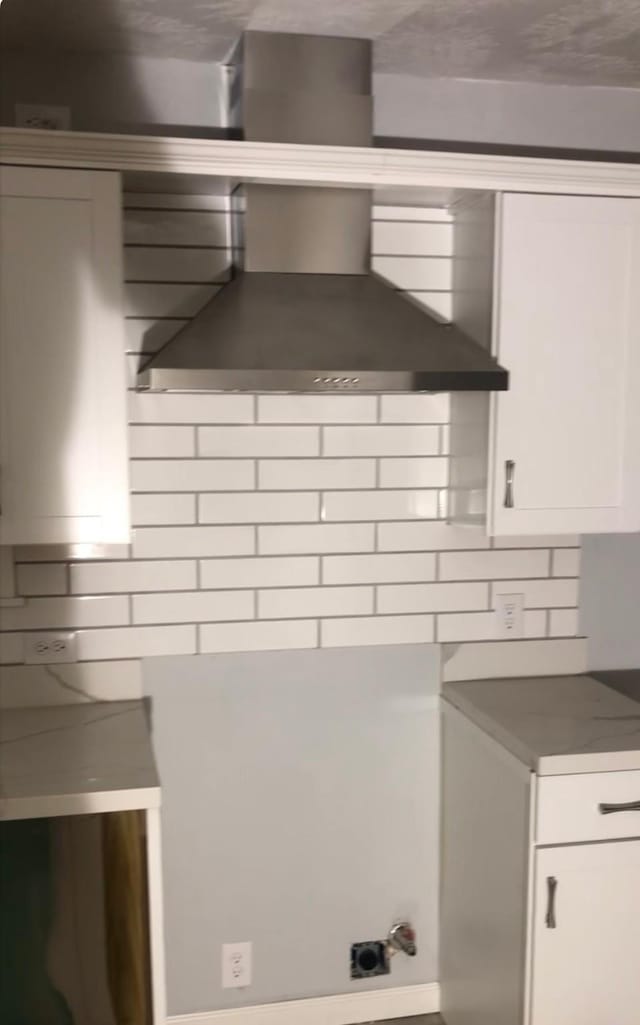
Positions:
{"x": 564, "y": 441}
{"x": 63, "y": 439}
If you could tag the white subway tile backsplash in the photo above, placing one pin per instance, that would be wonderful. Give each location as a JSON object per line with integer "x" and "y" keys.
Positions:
{"x": 308, "y": 602}
{"x": 379, "y": 505}
{"x": 554, "y": 541}
{"x": 316, "y": 474}
{"x": 129, "y": 577}
{"x": 340, "y": 633}
{"x": 394, "y": 238}
{"x": 148, "y": 509}
{"x": 156, "y": 263}
{"x": 415, "y": 537}
{"x": 144, "y": 334}
{"x": 162, "y": 300}
{"x": 136, "y": 642}
{"x": 317, "y": 409}
{"x": 414, "y": 473}
{"x": 420, "y": 272}
{"x": 381, "y": 441}
{"x": 494, "y": 564}
{"x": 317, "y": 539}
{"x": 262, "y": 636}
{"x": 563, "y": 623}
{"x": 192, "y": 607}
{"x": 67, "y": 613}
{"x": 161, "y": 442}
{"x": 189, "y": 408}
{"x": 256, "y": 442}
{"x": 192, "y": 542}
{"x": 565, "y": 562}
{"x": 260, "y": 572}
{"x": 176, "y": 227}
{"x": 483, "y": 626}
{"x": 259, "y": 507}
{"x": 192, "y": 474}
{"x": 41, "y": 578}
{"x": 432, "y": 597}
{"x": 228, "y": 489}
{"x": 378, "y": 569}
{"x": 539, "y": 594}
{"x": 11, "y": 648}
{"x": 415, "y": 409}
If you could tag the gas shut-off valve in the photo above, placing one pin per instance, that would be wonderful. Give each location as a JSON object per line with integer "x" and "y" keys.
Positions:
{"x": 402, "y": 938}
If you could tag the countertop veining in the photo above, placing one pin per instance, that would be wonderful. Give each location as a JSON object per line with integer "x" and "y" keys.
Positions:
{"x": 76, "y": 759}
{"x": 555, "y": 724}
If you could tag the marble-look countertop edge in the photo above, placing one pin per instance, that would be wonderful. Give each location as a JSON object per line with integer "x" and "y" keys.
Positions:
{"x": 560, "y": 764}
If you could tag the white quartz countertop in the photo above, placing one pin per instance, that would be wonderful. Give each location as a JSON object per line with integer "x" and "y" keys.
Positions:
{"x": 555, "y": 724}
{"x": 76, "y": 759}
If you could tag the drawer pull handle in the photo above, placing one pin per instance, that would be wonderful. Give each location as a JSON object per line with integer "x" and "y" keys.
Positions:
{"x": 550, "y": 917}
{"x": 609, "y": 809}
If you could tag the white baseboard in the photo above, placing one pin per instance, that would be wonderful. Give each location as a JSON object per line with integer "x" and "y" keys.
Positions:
{"x": 342, "y": 1009}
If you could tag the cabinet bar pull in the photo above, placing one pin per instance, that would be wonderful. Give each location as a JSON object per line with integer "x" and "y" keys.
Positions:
{"x": 509, "y": 472}
{"x": 550, "y": 917}
{"x": 609, "y": 809}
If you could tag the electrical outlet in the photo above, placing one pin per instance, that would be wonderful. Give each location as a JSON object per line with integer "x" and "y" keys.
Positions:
{"x": 236, "y": 965}
{"x": 509, "y": 611}
{"x": 45, "y": 648}
{"x": 41, "y": 115}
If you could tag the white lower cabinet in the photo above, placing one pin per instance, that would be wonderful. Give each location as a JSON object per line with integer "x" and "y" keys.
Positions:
{"x": 536, "y": 931}
{"x": 63, "y": 420}
{"x": 585, "y": 954}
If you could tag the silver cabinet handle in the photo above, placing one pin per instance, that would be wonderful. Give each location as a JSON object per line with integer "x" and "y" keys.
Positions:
{"x": 509, "y": 473}
{"x": 550, "y": 917}
{"x": 609, "y": 809}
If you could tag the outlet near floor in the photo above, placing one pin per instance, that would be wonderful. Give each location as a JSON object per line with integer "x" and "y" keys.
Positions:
{"x": 236, "y": 965}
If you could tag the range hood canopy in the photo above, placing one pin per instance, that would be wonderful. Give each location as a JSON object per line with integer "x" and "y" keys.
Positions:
{"x": 303, "y": 312}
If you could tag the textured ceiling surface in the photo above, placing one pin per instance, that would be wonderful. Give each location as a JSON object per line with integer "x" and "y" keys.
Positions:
{"x": 593, "y": 42}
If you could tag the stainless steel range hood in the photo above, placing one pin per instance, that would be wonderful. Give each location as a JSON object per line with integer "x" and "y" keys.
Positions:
{"x": 303, "y": 312}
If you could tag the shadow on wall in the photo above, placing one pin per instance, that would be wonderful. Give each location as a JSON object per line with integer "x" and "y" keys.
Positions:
{"x": 78, "y": 55}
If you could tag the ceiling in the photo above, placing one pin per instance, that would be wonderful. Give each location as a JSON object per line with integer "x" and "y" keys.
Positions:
{"x": 590, "y": 42}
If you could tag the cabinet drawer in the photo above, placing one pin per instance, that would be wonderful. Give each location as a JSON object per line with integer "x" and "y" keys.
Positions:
{"x": 590, "y": 806}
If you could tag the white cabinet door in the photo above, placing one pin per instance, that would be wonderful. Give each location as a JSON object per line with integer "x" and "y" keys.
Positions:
{"x": 63, "y": 453}
{"x": 567, "y": 327}
{"x": 585, "y": 970}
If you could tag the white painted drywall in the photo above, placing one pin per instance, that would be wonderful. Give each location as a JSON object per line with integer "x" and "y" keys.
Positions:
{"x": 508, "y": 113}
{"x": 144, "y": 94}
{"x": 300, "y": 812}
{"x": 610, "y": 600}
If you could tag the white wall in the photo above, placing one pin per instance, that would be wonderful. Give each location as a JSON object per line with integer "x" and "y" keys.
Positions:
{"x": 138, "y": 94}
{"x": 508, "y": 113}
{"x": 300, "y": 812}
{"x": 610, "y": 600}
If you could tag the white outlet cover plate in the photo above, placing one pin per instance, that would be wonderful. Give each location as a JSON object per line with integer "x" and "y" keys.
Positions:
{"x": 236, "y": 965}
{"x": 50, "y": 648}
{"x": 509, "y": 612}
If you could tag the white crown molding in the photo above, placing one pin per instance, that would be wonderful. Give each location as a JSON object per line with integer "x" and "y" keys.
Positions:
{"x": 345, "y": 165}
{"x": 342, "y": 1009}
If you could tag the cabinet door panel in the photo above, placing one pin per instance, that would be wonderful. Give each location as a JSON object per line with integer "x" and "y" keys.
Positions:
{"x": 567, "y": 329}
{"x": 62, "y": 391}
{"x": 585, "y": 970}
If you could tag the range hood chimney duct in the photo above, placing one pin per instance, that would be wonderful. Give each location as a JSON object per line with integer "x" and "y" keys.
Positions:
{"x": 303, "y": 311}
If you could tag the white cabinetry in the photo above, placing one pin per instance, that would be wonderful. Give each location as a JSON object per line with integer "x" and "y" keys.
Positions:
{"x": 586, "y": 934}
{"x": 564, "y": 440}
{"x": 63, "y": 442}
{"x": 540, "y": 888}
